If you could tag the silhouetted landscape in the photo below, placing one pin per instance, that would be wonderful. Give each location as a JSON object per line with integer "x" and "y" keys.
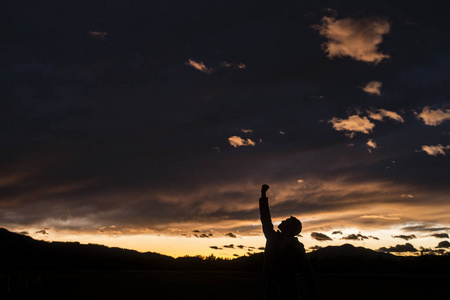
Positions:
{"x": 70, "y": 269}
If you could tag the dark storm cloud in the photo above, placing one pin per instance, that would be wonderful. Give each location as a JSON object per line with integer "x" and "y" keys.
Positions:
{"x": 399, "y": 248}
{"x": 203, "y": 235}
{"x": 431, "y": 251}
{"x": 405, "y": 237}
{"x": 230, "y": 234}
{"x": 443, "y": 235}
{"x": 320, "y": 236}
{"x": 105, "y": 124}
{"x": 443, "y": 244}
{"x": 358, "y": 237}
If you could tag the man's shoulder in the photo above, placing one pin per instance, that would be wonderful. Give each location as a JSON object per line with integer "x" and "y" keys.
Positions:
{"x": 297, "y": 244}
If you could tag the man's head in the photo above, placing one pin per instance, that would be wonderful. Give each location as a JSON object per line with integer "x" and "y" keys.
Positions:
{"x": 291, "y": 226}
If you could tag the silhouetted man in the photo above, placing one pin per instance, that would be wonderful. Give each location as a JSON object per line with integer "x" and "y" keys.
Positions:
{"x": 284, "y": 256}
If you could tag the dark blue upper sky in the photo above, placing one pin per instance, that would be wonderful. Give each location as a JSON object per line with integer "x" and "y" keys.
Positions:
{"x": 148, "y": 113}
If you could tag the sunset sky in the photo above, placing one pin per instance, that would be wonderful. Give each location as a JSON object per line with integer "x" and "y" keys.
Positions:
{"x": 151, "y": 125}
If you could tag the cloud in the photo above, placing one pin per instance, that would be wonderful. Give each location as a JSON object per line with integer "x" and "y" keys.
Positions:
{"x": 356, "y": 38}
{"x": 353, "y": 123}
{"x": 424, "y": 228}
{"x": 315, "y": 247}
{"x": 440, "y": 235}
{"x": 371, "y": 144}
{"x": 431, "y": 251}
{"x": 237, "y": 141}
{"x": 300, "y": 181}
{"x": 435, "y": 150}
{"x": 358, "y": 237}
{"x": 215, "y": 247}
{"x": 98, "y": 34}
{"x": 203, "y": 235}
{"x": 230, "y": 234}
{"x": 240, "y": 246}
{"x": 373, "y": 88}
{"x": 231, "y": 246}
{"x": 379, "y": 217}
{"x": 405, "y": 237}
{"x": 199, "y": 66}
{"x": 247, "y": 130}
{"x": 43, "y": 231}
{"x": 240, "y": 66}
{"x": 337, "y": 232}
{"x": 443, "y": 244}
{"x": 399, "y": 248}
{"x": 320, "y": 236}
{"x": 434, "y": 117}
{"x": 380, "y": 114}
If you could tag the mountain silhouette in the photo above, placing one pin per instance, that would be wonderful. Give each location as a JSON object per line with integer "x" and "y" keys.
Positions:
{"x": 349, "y": 251}
{"x": 20, "y": 252}
{"x": 23, "y": 252}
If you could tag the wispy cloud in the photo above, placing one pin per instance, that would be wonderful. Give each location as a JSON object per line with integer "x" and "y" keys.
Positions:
{"x": 379, "y": 217}
{"x": 199, "y": 66}
{"x": 435, "y": 150}
{"x": 246, "y": 130}
{"x": 434, "y": 117}
{"x": 237, "y": 141}
{"x": 98, "y": 34}
{"x": 423, "y": 227}
{"x": 380, "y": 114}
{"x": 225, "y": 64}
{"x": 404, "y": 237}
{"x": 373, "y": 88}
{"x": 356, "y": 38}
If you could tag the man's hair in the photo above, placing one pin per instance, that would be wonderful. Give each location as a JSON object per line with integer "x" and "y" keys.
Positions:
{"x": 295, "y": 226}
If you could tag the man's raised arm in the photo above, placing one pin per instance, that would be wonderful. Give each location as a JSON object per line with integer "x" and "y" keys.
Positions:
{"x": 264, "y": 211}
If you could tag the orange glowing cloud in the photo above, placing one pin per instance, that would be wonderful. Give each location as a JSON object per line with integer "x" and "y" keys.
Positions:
{"x": 373, "y": 88}
{"x": 356, "y": 38}
{"x": 436, "y": 150}
{"x": 434, "y": 117}
{"x": 380, "y": 114}
{"x": 237, "y": 141}
{"x": 199, "y": 66}
{"x": 353, "y": 123}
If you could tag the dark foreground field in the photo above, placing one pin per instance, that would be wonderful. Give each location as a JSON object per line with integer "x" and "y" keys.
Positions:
{"x": 209, "y": 285}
